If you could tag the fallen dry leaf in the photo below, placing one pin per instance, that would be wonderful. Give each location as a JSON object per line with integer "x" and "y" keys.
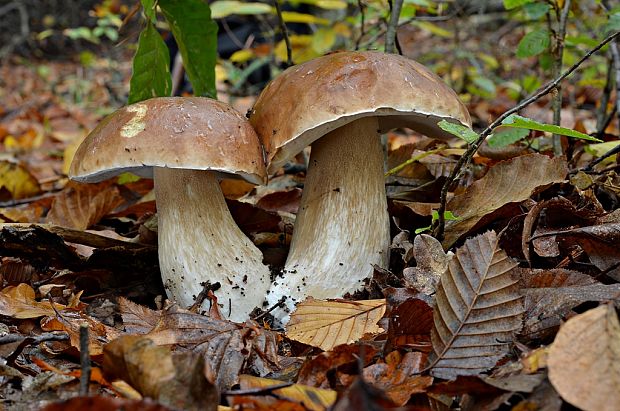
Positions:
{"x": 478, "y": 310}
{"x": 103, "y": 403}
{"x": 295, "y": 397}
{"x": 228, "y": 348}
{"x": 584, "y": 360}
{"x": 410, "y": 325}
{"x": 328, "y": 323}
{"x": 176, "y": 380}
{"x": 19, "y": 302}
{"x": 137, "y": 318}
{"x": 17, "y": 181}
{"x": 398, "y": 377}
{"x": 81, "y": 205}
{"x": 431, "y": 263}
{"x": 498, "y": 188}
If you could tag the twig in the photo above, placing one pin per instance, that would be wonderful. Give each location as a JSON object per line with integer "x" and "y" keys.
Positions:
{"x": 413, "y": 159}
{"x": 84, "y": 360}
{"x": 276, "y": 305}
{"x": 439, "y": 228}
{"x": 258, "y": 391}
{"x": 390, "y": 35}
{"x": 360, "y": 5}
{"x": 558, "y": 50}
{"x": 284, "y": 30}
{"x": 11, "y": 338}
{"x": 602, "y": 118}
{"x": 615, "y": 53}
{"x": 593, "y": 163}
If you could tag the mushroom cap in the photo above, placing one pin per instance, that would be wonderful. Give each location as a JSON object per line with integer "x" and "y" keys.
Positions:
{"x": 309, "y": 100}
{"x": 175, "y": 132}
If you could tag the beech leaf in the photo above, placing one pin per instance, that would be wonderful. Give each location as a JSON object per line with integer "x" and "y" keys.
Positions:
{"x": 507, "y": 182}
{"x": 584, "y": 360}
{"x": 17, "y": 181}
{"x": 326, "y": 324}
{"x": 478, "y": 310}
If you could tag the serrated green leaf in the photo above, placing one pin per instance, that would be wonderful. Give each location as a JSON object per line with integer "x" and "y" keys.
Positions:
{"x": 507, "y": 136}
{"x": 513, "y": 4}
{"x": 221, "y": 9}
{"x": 459, "y": 130}
{"x": 527, "y": 123}
{"x": 533, "y": 43}
{"x": 196, "y": 35}
{"x": 151, "y": 67}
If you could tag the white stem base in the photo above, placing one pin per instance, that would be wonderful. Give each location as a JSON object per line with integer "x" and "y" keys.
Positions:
{"x": 342, "y": 227}
{"x": 199, "y": 241}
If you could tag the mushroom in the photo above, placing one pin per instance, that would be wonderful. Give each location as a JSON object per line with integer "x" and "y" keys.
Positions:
{"x": 339, "y": 103}
{"x": 185, "y": 145}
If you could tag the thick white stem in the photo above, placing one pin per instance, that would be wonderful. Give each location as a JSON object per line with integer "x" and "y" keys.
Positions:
{"x": 342, "y": 227}
{"x": 199, "y": 241}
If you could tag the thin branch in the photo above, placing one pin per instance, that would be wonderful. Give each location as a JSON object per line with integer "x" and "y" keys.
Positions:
{"x": 439, "y": 228}
{"x": 390, "y": 35}
{"x": 84, "y": 360}
{"x": 284, "y": 31}
{"x": 11, "y": 338}
{"x": 362, "y": 9}
{"x": 558, "y": 52}
{"x": 259, "y": 390}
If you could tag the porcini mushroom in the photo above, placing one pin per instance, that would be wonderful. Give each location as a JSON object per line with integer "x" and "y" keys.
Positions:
{"x": 185, "y": 144}
{"x": 339, "y": 103}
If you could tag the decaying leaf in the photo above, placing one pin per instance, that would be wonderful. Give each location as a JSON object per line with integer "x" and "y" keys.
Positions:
{"x": 478, "y": 310}
{"x": 228, "y": 348}
{"x": 584, "y": 360}
{"x": 398, "y": 376}
{"x": 176, "y": 380}
{"x": 81, "y": 205}
{"x": 137, "y": 318}
{"x": 326, "y": 324}
{"x": 431, "y": 261}
{"x": 17, "y": 181}
{"x": 410, "y": 325}
{"x": 498, "y": 188}
{"x": 19, "y": 302}
{"x": 295, "y": 397}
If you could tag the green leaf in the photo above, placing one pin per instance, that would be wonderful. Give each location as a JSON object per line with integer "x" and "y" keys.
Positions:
{"x": 505, "y": 137}
{"x": 149, "y": 9}
{"x": 151, "y": 67}
{"x": 536, "y": 10}
{"x": 459, "y": 130}
{"x": 522, "y": 122}
{"x": 448, "y": 216}
{"x": 533, "y": 43}
{"x": 613, "y": 24}
{"x": 323, "y": 40}
{"x": 513, "y": 4}
{"x": 221, "y": 9}
{"x": 196, "y": 35}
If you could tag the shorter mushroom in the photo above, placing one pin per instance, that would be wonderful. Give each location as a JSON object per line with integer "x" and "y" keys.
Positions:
{"x": 186, "y": 144}
{"x": 339, "y": 104}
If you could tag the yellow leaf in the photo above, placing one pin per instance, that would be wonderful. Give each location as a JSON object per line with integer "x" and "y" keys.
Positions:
{"x": 326, "y": 324}
{"x": 295, "y": 17}
{"x": 433, "y": 29}
{"x": 17, "y": 180}
{"x": 302, "y": 49}
{"x": 323, "y": 40}
{"x": 313, "y": 399}
{"x": 19, "y": 302}
{"x": 241, "y": 56}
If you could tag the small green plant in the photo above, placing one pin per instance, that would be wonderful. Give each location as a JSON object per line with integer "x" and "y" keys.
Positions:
{"x": 448, "y": 216}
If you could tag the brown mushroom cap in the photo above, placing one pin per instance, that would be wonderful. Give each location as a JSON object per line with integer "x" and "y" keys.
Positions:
{"x": 309, "y": 100}
{"x": 175, "y": 132}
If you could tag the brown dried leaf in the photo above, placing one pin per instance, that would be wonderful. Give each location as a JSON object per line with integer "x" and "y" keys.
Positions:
{"x": 176, "y": 380}
{"x": 314, "y": 372}
{"x": 228, "y": 348}
{"x": 431, "y": 262}
{"x": 398, "y": 376}
{"x": 584, "y": 360}
{"x": 410, "y": 325}
{"x": 19, "y": 302}
{"x": 17, "y": 181}
{"x": 326, "y": 324}
{"x": 295, "y": 397}
{"x": 478, "y": 310}
{"x": 547, "y": 307}
{"x": 81, "y": 205}
{"x": 507, "y": 182}
{"x": 137, "y": 318}
{"x": 103, "y": 403}
{"x": 70, "y": 320}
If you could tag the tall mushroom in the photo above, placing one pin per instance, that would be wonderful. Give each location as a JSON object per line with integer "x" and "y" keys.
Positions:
{"x": 339, "y": 104}
{"x": 185, "y": 144}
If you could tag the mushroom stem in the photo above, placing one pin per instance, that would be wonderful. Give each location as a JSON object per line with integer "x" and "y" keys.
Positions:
{"x": 342, "y": 227}
{"x": 199, "y": 241}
